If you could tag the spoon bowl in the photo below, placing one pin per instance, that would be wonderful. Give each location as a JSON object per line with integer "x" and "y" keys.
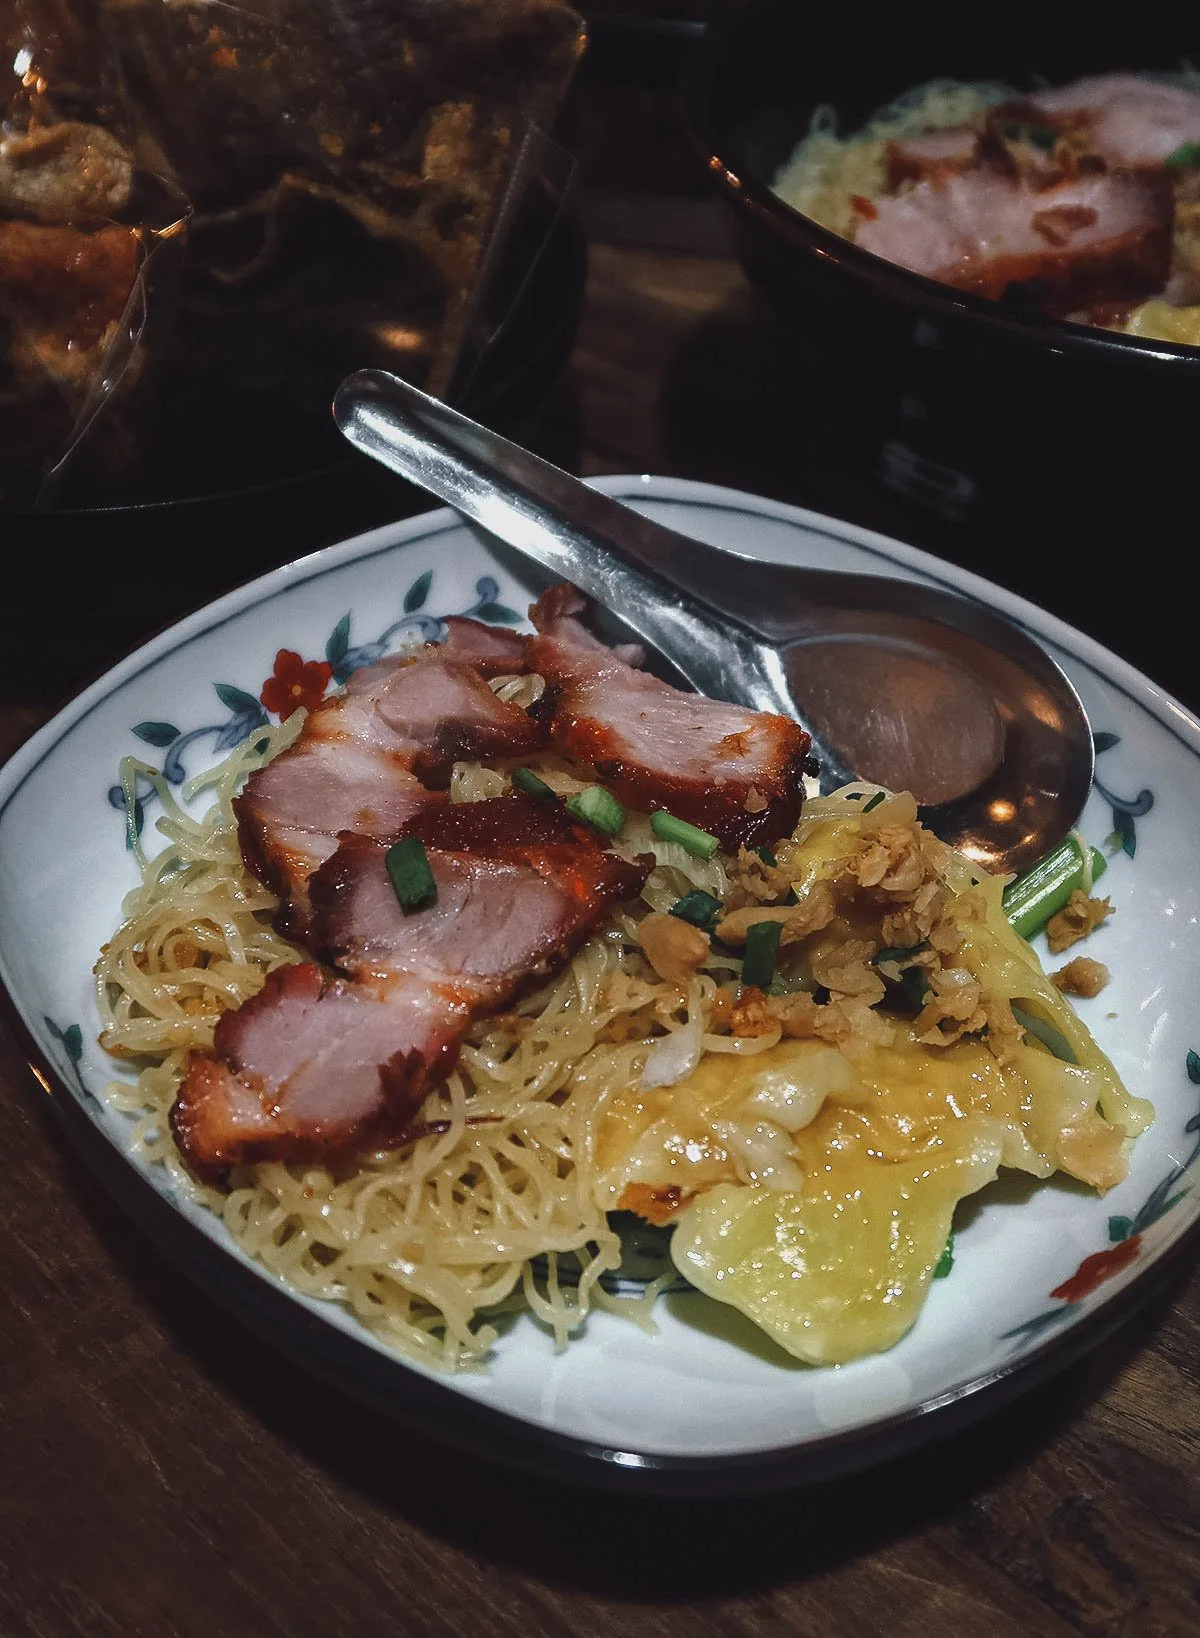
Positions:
{"x": 898, "y": 682}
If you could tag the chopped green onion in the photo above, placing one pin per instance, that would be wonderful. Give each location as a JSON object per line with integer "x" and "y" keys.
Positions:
{"x": 899, "y": 956}
{"x": 762, "y": 946}
{"x": 699, "y": 843}
{"x": 698, "y": 907}
{"x": 772, "y": 863}
{"x": 524, "y": 779}
{"x": 1040, "y": 893}
{"x": 786, "y": 986}
{"x": 946, "y": 1261}
{"x": 1185, "y": 158}
{"x": 598, "y": 808}
{"x": 911, "y": 990}
{"x": 1053, "y": 1039}
{"x": 411, "y": 878}
{"x": 907, "y": 981}
{"x": 874, "y": 802}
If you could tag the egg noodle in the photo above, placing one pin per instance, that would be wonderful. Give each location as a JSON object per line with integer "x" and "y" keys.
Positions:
{"x": 828, "y": 171}
{"x": 500, "y": 1200}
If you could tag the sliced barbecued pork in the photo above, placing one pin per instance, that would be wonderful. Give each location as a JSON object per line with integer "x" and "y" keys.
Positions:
{"x": 1129, "y": 122}
{"x": 427, "y": 714}
{"x": 1092, "y": 239}
{"x": 734, "y": 772}
{"x": 317, "y": 1065}
{"x": 312, "y": 1066}
{"x": 518, "y": 883}
{"x": 930, "y": 155}
{"x": 292, "y": 812}
{"x": 494, "y": 651}
{"x": 366, "y": 757}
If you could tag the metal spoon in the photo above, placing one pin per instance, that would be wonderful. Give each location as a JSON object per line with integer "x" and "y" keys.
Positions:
{"x": 898, "y": 682}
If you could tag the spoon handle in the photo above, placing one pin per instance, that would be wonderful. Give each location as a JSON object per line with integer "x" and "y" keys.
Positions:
{"x": 615, "y": 557}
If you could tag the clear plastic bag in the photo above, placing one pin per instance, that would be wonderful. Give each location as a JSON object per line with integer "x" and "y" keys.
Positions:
{"x": 90, "y": 226}
{"x": 338, "y": 173}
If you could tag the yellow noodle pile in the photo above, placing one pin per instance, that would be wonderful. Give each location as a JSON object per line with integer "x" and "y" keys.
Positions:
{"x": 502, "y": 1200}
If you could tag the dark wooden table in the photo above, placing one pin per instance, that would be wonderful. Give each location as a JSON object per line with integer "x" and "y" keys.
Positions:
{"x": 165, "y": 1475}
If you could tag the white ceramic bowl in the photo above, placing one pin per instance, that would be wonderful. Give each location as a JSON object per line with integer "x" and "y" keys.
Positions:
{"x": 705, "y": 1403}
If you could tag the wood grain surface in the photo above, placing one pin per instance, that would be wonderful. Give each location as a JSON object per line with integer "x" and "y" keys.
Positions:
{"x": 165, "y": 1475}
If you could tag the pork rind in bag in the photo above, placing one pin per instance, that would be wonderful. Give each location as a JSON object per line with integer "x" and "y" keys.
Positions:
{"x": 84, "y": 219}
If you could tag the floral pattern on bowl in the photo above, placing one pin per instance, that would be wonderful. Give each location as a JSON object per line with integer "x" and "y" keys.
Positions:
{"x": 703, "y": 1401}
{"x": 294, "y": 683}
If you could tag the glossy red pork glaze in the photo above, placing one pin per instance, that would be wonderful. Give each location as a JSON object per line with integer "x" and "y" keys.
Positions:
{"x": 517, "y": 882}
{"x": 317, "y": 1065}
{"x": 734, "y": 772}
{"x": 1070, "y": 193}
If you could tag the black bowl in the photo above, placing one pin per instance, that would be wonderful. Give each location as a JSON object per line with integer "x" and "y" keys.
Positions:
{"x": 953, "y": 408}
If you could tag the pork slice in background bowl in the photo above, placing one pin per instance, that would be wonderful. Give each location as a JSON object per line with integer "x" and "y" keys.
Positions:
{"x": 1000, "y": 436}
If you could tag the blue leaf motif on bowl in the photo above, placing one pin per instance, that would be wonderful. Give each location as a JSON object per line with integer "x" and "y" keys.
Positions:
{"x": 1125, "y": 809}
{"x": 70, "y": 1040}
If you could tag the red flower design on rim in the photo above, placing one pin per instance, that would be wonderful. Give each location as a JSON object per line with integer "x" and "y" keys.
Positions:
{"x": 295, "y": 683}
{"x": 1094, "y": 1270}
